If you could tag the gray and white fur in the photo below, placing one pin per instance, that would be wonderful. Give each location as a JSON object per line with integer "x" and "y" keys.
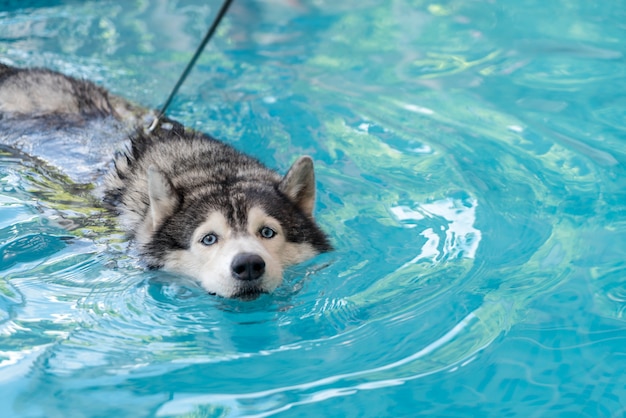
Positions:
{"x": 192, "y": 205}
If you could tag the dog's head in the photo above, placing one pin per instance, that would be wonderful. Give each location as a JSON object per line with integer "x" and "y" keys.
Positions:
{"x": 237, "y": 238}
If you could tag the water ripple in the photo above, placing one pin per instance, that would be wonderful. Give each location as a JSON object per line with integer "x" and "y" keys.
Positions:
{"x": 471, "y": 174}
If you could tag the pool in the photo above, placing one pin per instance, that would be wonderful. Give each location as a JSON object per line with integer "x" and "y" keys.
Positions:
{"x": 471, "y": 166}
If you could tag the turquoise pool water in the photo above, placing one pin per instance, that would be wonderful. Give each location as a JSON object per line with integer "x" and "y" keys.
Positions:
{"x": 471, "y": 162}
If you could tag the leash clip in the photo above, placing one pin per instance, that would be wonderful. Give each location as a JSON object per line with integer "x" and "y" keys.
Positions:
{"x": 154, "y": 124}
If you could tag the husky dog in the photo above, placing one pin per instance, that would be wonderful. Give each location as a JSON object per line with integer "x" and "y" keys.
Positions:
{"x": 192, "y": 205}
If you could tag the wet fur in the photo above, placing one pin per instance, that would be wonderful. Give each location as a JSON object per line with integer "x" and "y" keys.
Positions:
{"x": 172, "y": 186}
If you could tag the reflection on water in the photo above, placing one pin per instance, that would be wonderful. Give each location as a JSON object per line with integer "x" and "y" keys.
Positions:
{"x": 470, "y": 166}
{"x": 456, "y": 237}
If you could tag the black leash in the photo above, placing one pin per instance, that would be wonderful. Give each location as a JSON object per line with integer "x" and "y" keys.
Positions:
{"x": 185, "y": 73}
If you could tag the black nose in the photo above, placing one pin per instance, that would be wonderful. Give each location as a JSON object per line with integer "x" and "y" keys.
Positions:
{"x": 247, "y": 266}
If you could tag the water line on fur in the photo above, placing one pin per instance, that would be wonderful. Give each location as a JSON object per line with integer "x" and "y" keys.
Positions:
{"x": 192, "y": 62}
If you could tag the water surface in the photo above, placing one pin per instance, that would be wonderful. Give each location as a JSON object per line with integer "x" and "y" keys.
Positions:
{"x": 471, "y": 171}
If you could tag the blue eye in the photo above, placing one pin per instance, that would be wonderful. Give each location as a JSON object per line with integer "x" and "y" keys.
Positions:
{"x": 209, "y": 239}
{"x": 267, "y": 232}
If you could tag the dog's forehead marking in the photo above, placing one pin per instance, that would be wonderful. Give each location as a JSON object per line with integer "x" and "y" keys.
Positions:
{"x": 235, "y": 211}
{"x": 237, "y": 222}
{"x": 232, "y": 218}
{"x": 239, "y": 211}
{"x": 242, "y": 215}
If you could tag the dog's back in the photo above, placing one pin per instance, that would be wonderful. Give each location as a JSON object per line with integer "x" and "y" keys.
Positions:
{"x": 41, "y": 92}
{"x": 70, "y": 124}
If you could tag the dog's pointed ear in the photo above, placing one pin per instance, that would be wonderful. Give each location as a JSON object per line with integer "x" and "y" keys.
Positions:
{"x": 299, "y": 184}
{"x": 163, "y": 197}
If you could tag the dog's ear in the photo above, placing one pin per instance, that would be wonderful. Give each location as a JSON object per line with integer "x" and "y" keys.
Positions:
{"x": 299, "y": 184}
{"x": 163, "y": 197}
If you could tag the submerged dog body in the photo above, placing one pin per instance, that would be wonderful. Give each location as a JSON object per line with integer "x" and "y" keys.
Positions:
{"x": 193, "y": 205}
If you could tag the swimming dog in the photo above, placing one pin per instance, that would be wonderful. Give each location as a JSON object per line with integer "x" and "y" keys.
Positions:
{"x": 192, "y": 204}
